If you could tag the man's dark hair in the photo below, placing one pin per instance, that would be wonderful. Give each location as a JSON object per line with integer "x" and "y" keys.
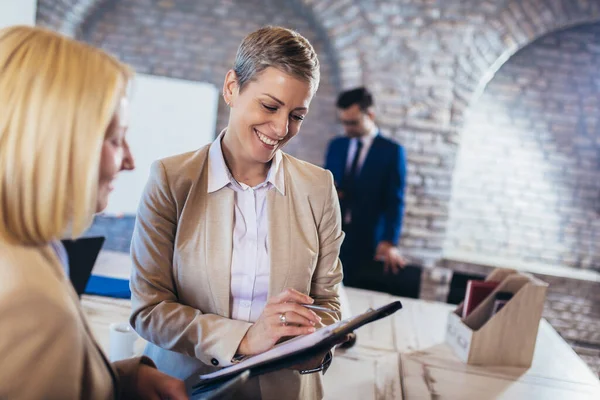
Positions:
{"x": 360, "y": 96}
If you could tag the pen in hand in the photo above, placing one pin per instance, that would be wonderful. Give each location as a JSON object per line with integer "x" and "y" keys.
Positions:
{"x": 317, "y": 308}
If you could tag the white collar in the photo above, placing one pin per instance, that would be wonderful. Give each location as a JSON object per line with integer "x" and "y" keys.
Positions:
{"x": 219, "y": 175}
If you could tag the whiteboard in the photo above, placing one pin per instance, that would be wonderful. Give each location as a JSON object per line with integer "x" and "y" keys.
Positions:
{"x": 17, "y": 12}
{"x": 167, "y": 117}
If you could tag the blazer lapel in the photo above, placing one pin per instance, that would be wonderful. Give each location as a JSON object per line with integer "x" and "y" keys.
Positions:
{"x": 279, "y": 210}
{"x": 219, "y": 245}
{"x": 341, "y": 165}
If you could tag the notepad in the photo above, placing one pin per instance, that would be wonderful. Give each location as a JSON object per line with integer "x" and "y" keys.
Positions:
{"x": 294, "y": 350}
{"x": 281, "y": 350}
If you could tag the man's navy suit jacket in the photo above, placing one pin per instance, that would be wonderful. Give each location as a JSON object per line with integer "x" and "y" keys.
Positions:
{"x": 377, "y": 199}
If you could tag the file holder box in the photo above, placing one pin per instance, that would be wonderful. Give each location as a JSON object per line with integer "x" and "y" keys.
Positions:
{"x": 508, "y": 337}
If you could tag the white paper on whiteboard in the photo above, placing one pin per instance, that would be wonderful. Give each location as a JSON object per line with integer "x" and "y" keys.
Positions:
{"x": 167, "y": 117}
{"x": 17, "y": 12}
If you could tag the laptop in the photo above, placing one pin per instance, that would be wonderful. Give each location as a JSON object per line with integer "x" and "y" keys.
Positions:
{"x": 83, "y": 254}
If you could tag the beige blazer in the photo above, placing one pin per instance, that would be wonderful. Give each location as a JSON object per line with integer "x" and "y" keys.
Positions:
{"x": 47, "y": 350}
{"x": 182, "y": 249}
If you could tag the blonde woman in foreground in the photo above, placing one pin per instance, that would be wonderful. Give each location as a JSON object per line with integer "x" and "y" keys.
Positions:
{"x": 62, "y": 143}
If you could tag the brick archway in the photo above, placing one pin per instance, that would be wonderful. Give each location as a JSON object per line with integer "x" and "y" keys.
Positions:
{"x": 526, "y": 180}
{"x": 426, "y": 63}
{"x": 490, "y": 34}
{"x": 519, "y": 24}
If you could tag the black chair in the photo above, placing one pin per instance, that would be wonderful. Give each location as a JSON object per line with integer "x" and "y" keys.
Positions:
{"x": 407, "y": 283}
{"x": 458, "y": 286}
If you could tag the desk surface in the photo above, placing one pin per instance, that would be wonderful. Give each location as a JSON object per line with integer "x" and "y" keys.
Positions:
{"x": 404, "y": 357}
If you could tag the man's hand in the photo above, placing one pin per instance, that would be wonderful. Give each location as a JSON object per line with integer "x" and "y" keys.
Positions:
{"x": 155, "y": 385}
{"x": 390, "y": 255}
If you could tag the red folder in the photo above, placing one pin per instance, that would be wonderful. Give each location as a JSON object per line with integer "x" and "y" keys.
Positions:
{"x": 476, "y": 292}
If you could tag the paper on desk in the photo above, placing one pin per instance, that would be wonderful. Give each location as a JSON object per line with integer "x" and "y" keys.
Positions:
{"x": 282, "y": 349}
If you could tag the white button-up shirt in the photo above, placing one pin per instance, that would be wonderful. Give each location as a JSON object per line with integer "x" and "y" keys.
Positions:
{"x": 367, "y": 141}
{"x": 250, "y": 263}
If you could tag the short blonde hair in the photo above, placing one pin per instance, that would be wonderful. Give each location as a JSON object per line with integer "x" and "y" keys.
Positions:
{"x": 280, "y": 48}
{"x": 57, "y": 98}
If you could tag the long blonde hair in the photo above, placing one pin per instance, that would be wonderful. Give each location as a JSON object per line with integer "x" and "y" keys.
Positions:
{"x": 57, "y": 98}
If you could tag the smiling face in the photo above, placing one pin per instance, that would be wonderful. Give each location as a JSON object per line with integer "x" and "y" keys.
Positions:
{"x": 266, "y": 114}
{"x": 116, "y": 155}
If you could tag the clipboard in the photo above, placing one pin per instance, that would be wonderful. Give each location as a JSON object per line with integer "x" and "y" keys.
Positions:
{"x": 286, "y": 354}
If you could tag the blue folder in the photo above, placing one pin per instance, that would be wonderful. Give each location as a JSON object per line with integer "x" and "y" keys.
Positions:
{"x": 109, "y": 287}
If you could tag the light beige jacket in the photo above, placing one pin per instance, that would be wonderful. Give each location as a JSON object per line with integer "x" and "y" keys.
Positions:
{"x": 47, "y": 350}
{"x": 182, "y": 249}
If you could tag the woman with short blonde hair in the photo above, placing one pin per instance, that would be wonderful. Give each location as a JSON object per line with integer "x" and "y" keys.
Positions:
{"x": 233, "y": 240}
{"x": 62, "y": 143}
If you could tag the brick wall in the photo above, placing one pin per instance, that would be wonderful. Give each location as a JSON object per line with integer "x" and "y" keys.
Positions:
{"x": 197, "y": 40}
{"x": 424, "y": 60}
{"x": 66, "y": 16}
{"x": 53, "y": 14}
{"x": 527, "y": 179}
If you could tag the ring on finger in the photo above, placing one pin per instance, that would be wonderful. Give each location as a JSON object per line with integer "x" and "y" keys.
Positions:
{"x": 282, "y": 319}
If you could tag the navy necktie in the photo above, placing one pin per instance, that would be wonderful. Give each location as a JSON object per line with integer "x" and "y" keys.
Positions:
{"x": 354, "y": 166}
{"x": 350, "y": 178}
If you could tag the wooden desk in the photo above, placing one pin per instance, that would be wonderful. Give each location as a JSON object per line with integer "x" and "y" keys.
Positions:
{"x": 404, "y": 357}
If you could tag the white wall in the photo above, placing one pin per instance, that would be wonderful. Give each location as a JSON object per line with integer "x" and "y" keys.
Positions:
{"x": 17, "y": 12}
{"x": 168, "y": 116}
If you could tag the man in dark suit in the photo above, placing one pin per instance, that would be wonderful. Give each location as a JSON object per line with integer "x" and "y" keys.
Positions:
{"x": 370, "y": 173}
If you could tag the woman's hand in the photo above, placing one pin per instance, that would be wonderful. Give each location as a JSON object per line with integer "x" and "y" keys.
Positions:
{"x": 270, "y": 326}
{"x": 155, "y": 385}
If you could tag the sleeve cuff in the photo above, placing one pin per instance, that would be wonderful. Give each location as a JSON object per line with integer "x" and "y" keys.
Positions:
{"x": 229, "y": 343}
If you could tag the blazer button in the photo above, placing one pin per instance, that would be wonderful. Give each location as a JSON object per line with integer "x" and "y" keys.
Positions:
{"x": 214, "y": 362}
